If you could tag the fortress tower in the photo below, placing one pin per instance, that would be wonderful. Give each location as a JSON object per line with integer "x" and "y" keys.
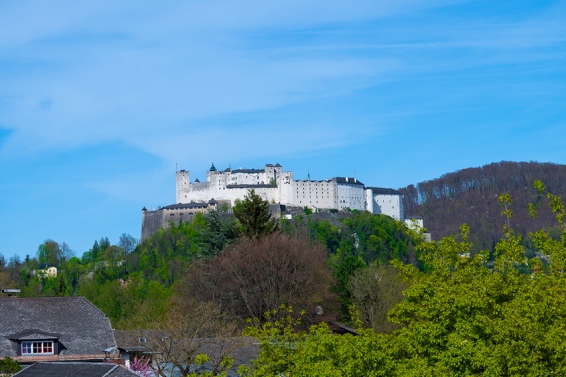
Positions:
{"x": 183, "y": 187}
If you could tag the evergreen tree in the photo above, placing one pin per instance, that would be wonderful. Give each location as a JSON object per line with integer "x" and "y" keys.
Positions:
{"x": 220, "y": 232}
{"x": 254, "y": 216}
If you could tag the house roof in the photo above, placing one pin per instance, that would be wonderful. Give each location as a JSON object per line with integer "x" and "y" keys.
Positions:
{"x": 384, "y": 191}
{"x": 33, "y": 334}
{"x": 186, "y": 206}
{"x": 248, "y": 171}
{"x": 81, "y": 328}
{"x": 57, "y": 369}
{"x": 242, "y": 349}
{"x": 131, "y": 340}
{"x": 349, "y": 181}
{"x": 251, "y": 186}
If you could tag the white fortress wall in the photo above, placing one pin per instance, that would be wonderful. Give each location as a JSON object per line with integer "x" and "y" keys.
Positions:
{"x": 350, "y": 194}
{"x": 286, "y": 185}
{"x": 315, "y": 194}
{"x": 336, "y": 193}
{"x": 390, "y": 205}
{"x": 371, "y": 206}
{"x": 270, "y": 194}
{"x": 388, "y": 202}
{"x": 248, "y": 177}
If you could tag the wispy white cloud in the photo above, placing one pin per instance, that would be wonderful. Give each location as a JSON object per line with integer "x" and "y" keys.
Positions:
{"x": 111, "y": 71}
{"x": 340, "y": 84}
{"x": 89, "y": 79}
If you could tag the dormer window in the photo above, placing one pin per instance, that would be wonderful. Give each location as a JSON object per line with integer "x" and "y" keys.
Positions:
{"x": 37, "y": 348}
{"x": 34, "y": 342}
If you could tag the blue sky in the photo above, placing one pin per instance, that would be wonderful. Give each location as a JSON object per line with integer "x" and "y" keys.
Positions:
{"x": 100, "y": 100}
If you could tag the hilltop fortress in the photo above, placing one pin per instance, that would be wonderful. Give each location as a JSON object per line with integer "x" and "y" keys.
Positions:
{"x": 274, "y": 185}
{"x": 278, "y": 187}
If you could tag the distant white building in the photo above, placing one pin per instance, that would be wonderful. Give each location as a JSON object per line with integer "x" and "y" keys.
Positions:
{"x": 385, "y": 201}
{"x": 416, "y": 223}
{"x": 45, "y": 271}
{"x": 278, "y": 187}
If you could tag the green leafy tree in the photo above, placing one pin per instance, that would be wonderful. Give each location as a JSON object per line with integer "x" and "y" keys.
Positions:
{"x": 254, "y": 216}
{"x": 344, "y": 265}
{"x": 462, "y": 317}
{"x": 220, "y": 231}
{"x": 72, "y": 274}
{"x": 50, "y": 253}
{"x": 127, "y": 243}
{"x": 375, "y": 290}
{"x": 9, "y": 366}
{"x": 286, "y": 351}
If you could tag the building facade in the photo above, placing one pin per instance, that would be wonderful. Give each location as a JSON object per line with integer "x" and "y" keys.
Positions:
{"x": 285, "y": 195}
{"x": 279, "y": 187}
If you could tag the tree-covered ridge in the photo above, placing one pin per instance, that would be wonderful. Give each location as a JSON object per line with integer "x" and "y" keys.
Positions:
{"x": 470, "y": 196}
{"x": 462, "y": 317}
{"x": 125, "y": 278}
{"x": 420, "y": 308}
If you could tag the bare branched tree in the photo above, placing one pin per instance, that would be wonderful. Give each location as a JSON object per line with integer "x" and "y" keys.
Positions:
{"x": 256, "y": 276}
{"x": 192, "y": 337}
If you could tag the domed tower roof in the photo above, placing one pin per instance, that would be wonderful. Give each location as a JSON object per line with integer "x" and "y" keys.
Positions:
{"x": 212, "y": 168}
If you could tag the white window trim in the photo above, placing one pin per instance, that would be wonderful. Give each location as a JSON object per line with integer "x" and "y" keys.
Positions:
{"x": 31, "y": 344}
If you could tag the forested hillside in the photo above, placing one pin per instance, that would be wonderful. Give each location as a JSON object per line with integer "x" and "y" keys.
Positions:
{"x": 470, "y": 196}
{"x": 196, "y": 260}
{"x": 419, "y": 308}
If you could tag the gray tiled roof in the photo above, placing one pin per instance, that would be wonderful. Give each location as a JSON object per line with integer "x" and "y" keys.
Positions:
{"x": 31, "y": 334}
{"x": 244, "y": 349}
{"x": 248, "y": 171}
{"x": 350, "y": 181}
{"x": 251, "y": 186}
{"x": 186, "y": 206}
{"x": 384, "y": 191}
{"x": 81, "y": 327}
{"x": 75, "y": 370}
